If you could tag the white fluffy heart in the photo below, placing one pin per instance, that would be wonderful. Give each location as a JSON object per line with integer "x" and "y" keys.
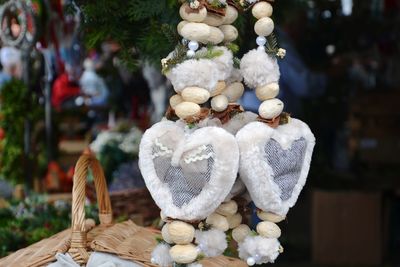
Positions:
{"x": 274, "y": 163}
{"x": 189, "y": 173}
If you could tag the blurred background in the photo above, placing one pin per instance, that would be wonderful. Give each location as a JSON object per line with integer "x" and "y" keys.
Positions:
{"x": 87, "y": 73}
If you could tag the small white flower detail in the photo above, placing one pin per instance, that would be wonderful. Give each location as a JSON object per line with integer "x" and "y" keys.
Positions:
{"x": 194, "y": 4}
{"x": 281, "y": 53}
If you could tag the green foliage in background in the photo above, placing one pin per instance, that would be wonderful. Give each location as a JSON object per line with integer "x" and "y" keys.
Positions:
{"x": 136, "y": 25}
{"x": 27, "y": 222}
{"x": 17, "y": 105}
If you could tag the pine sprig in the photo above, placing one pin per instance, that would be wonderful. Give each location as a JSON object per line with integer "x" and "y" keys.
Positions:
{"x": 272, "y": 45}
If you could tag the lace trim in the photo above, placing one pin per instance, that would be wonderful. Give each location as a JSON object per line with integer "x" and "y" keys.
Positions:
{"x": 198, "y": 158}
{"x": 164, "y": 151}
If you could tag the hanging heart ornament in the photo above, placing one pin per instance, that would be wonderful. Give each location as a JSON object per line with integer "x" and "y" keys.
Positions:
{"x": 274, "y": 163}
{"x": 188, "y": 172}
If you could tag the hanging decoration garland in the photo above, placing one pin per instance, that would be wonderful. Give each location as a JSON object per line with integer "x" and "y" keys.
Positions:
{"x": 213, "y": 151}
{"x": 18, "y": 24}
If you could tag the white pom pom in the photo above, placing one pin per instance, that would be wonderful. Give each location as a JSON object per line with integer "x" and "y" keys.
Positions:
{"x": 219, "y": 103}
{"x": 212, "y": 243}
{"x": 251, "y": 261}
{"x": 262, "y": 10}
{"x": 160, "y": 255}
{"x": 262, "y": 250}
{"x": 231, "y": 15}
{"x": 192, "y": 16}
{"x": 224, "y": 63}
{"x": 200, "y": 73}
{"x": 230, "y": 33}
{"x": 259, "y": 69}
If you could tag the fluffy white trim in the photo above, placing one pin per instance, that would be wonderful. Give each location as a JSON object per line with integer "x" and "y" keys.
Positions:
{"x": 212, "y": 242}
{"x": 259, "y": 69}
{"x": 196, "y": 264}
{"x": 258, "y": 175}
{"x": 160, "y": 255}
{"x": 262, "y": 250}
{"x": 224, "y": 63}
{"x": 193, "y": 72}
{"x": 223, "y": 175}
{"x": 237, "y": 189}
{"x": 236, "y": 76}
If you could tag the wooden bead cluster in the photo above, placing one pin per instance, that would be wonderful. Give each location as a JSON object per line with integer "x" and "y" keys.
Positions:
{"x": 200, "y": 26}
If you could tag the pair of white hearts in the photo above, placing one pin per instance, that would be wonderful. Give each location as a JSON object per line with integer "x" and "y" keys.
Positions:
{"x": 189, "y": 173}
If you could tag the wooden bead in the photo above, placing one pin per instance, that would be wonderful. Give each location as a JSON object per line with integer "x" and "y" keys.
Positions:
{"x": 183, "y": 254}
{"x": 240, "y": 233}
{"x": 231, "y": 14}
{"x": 270, "y": 109}
{"x": 218, "y": 221}
{"x": 228, "y": 208}
{"x": 175, "y": 100}
{"x": 216, "y": 36}
{"x": 192, "y": 16}
{"x": 262, "y": 10}
{"x": 268, "y": 91}
{"x": 230, "y": 33}
{"x": 196, "y": 95}
{"x": 165, "y": 234}
{"x": 264, "y": 26}
{"x": 221, "y": 85}
{"x": 269, "y": 230}
{"x": 187, "y": 109}
{"x": 270, "y": 217}
{"x": 180, "y": 233}
{"x": 180, "y": 26}
{"x": 195, "y": 31}
{"x": 234, "y": 92}
{"x": 219, "y": 103}
{"x": 213, "y": 20}
{"x": 234, "y": 220}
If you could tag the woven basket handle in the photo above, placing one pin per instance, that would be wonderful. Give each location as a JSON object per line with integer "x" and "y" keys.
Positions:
{"x": 78, "y": 237}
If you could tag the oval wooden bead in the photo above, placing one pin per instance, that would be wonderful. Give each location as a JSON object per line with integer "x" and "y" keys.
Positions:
{"x": 230, "y": 33}
{"x": 165, "y": 234}
{"x": 197, "y": 16}
{"x": 231, "y": 14}
{"x": 270, "y": 109}
{"x": 234, "y": 92}
{"x": 180, "y": 233}
{"x": 270, "y": 217}
{"x": 221, "y": 85}
{"x": 183, "y": 254}
{"x": 234, "y": 220}
{"x": 175, "y": 100}
{"x": 180, "y": 26}
{"x": 240, "y": 233}
{"x": 218, "y": 221}
{"x": 216, "y": 36}
{"x": 187, "y": 109}
{"x": 195, "y": 31}
{"x": 264, "y": 26}
{"x": 227, "y": 208}
{"x": 268, "y": 91}
{"x": 213, "y": 20}
{"x": 219, "y": 103}
{"x": 262, "y": 10}
{"x": 195, "y": 94}
{"x": 269, "y": 230}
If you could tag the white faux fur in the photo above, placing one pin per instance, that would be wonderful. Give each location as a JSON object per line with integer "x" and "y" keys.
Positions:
{"x": 236, "y": 76}
{"x": 223, "y": 175}
{"x": 160, "y": 255}
{"x": 193, "y": 72}
{"x": 258, "y": 175}
{"x": 212, "y": 242}
{"x": 237, "y": 189}
{"x": 259, "y": 69}
{"x": 224, "y": 62}
{"x": 263, "y": 250}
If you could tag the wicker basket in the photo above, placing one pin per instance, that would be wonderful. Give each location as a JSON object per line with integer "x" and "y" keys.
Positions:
{"x": 125, "y": 240}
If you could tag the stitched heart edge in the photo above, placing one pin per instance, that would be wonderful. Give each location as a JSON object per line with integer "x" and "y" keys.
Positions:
{"x": 223, "y": 176}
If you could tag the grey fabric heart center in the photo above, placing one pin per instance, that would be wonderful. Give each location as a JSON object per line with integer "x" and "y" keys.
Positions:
{"x": 187, "y": 181}
{"x": 286, "y": 164}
